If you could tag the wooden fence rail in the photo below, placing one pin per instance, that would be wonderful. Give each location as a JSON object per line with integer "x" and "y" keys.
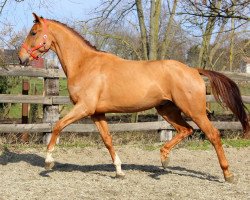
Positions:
{"x": 52, "y": 100}
{"x": 119, "y": 127}
{"x": 60, "y": 100}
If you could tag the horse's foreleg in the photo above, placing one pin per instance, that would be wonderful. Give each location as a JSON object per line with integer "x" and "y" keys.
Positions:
{"x": 101, "y": 123}
{"x": 172, "y": 114}
{"x": 79, "y": 111}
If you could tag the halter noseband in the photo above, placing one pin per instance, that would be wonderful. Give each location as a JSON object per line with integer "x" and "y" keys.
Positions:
{"x": 30, "y": 51}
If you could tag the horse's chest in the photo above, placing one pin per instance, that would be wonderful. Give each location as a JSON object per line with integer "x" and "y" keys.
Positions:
{"x": 84, "y": 90}
{"x": 74, "y": 93}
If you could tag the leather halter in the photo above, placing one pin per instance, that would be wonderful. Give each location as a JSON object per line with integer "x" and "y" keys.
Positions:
{"x": 30, "y": 51}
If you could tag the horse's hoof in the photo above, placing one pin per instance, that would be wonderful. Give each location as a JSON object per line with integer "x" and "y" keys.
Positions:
{"x": 230, "y": 179}
{"x": 120, "y": 175}
{"x": 165, "y": 162}
{"x": 49, "y": 165}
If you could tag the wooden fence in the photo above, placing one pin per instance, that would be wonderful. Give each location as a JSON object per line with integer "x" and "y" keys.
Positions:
{"x": 51, "y": 101}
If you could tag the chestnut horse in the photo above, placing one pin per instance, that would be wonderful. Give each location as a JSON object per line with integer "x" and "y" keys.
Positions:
{"x": 100, "y": 82}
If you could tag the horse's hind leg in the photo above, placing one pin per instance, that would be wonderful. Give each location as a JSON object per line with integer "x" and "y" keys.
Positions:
{"x": 101, "y": 123}
{"x": 214, "y": 137}
{"x": 172, "y": 114}
{"x": 196, "y": 109}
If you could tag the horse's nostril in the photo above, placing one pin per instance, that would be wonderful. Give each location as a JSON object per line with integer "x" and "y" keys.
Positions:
{"x": 20, "y": 61}
{"x": 24, "y": 62}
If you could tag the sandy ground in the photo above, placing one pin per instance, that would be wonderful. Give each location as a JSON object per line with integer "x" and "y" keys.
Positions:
{"x": 88, "y": 174}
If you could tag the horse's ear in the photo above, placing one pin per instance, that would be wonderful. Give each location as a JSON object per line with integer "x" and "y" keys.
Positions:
{"x": 36, "y": 18}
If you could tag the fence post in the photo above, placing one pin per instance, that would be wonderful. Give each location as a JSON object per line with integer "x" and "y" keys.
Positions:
{"x": 50, "y": 112}
{"x": 25, "y": 109}
{"x": 165, "y": 135}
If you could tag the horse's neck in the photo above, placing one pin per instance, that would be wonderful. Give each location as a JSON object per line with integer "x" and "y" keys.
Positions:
{"x": 69, "y": 48}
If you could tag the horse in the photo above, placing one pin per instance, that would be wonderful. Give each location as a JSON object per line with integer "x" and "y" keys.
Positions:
{"x": 100, "y": 82}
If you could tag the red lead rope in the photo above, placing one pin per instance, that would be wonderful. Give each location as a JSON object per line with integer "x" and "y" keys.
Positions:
{"x": 42, "y": 44}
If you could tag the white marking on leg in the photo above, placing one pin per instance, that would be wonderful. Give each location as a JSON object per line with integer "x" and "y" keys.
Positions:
{"x": 49, "y": 158}
{"x": 118, "y": 167}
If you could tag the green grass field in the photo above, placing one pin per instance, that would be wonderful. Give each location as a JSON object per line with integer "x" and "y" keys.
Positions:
{"x": 36, "y": 87}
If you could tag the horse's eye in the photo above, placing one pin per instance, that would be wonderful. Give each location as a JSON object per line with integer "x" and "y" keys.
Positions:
{"x": 32, "y": 33}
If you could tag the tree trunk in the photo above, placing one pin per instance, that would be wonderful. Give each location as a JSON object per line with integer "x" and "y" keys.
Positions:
{"x": 166, "y": 41}
{"x": 217, "y": 42}
{"x": 231, "y": 51}
{"x": 154, "y": 28}
{"x": 144, "y": 37}
{"x": 203, "y": 55}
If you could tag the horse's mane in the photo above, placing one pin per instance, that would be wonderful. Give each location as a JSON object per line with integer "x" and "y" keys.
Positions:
{"x": 77, "y": 34}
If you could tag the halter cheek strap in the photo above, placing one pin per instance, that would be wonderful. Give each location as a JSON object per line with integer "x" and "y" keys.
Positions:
{"x": 30, "y": 51}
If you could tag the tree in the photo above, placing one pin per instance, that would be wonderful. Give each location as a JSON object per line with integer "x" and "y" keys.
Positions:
{"x": 231, "y": 52}
{"x": 166, "y": 40}
{"x": 206, "y": 9}
{"x": 152, "y": 45}
{"x": 11, "y": 42}
{"x": 211, "y": 16}
{"x": 193, "y": 55}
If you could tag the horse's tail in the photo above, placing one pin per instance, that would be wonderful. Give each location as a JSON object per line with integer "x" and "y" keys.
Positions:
{"x": 225, "y": 90}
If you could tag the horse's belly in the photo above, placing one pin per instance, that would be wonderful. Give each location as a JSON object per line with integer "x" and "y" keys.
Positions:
{"x": 115, "y": 108}
{"x": 130, "y": 102}
{"x": 121, "y": 109}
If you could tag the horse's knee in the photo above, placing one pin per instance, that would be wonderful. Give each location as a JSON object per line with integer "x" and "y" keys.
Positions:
{"x": 188, "y": 131}
{"x": 185, "y": 132}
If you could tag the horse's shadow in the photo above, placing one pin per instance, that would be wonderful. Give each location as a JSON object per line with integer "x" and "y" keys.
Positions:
{"x": 154, "y": 171}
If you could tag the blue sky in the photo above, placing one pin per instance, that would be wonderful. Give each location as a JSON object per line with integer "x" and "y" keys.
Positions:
{"x": 20, "y": 14}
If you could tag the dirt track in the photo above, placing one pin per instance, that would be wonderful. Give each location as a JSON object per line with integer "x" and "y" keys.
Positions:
{"x": 88, "y": 174}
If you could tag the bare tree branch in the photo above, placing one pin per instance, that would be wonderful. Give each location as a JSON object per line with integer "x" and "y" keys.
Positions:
{"x": 2, "y": 5}
{"x": 165, "y": 43}
{"x": 116, "y": 37}
{"x": 218, "y": 15}
{"x": 241, "y": 11}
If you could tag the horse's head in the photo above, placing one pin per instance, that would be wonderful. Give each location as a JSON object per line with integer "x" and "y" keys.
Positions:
{"x": 37, "y": 42}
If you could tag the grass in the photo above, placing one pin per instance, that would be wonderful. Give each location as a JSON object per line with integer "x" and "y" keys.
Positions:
{"x": 236, "y": 143}
{"x": 15, "y": 110}
{"x": 206, "y": 145}
{"x": 201, "y": 144}
{"x": 194, "y": 145}
{"x": 148, "y": 141}
{"x": 151, "y": 147}
{"x": 197, "y": 145}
